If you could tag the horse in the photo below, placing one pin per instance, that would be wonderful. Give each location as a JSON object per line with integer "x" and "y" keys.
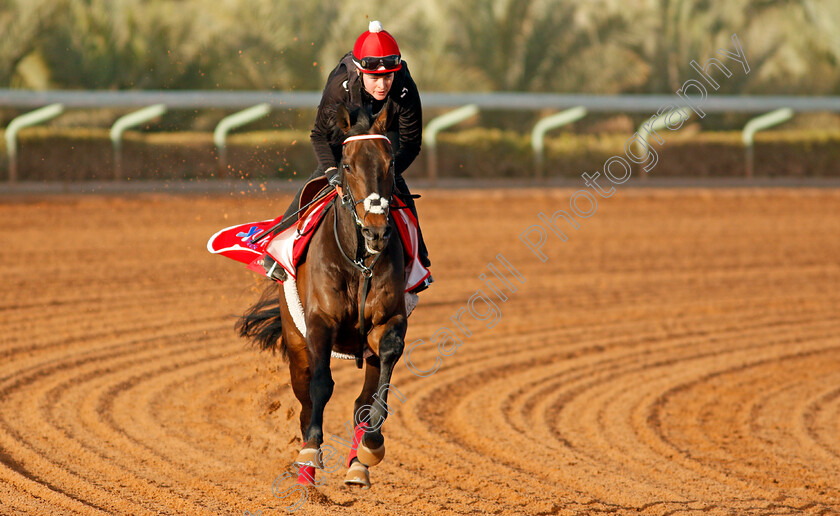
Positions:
{"x": 351, "y": 286}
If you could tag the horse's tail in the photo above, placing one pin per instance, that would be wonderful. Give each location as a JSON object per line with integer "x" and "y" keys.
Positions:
{"x": 261, "y": 323}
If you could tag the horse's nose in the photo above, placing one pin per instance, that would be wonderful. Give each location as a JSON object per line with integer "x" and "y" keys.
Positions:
{"x": 375, "y": 234}
{"x": 376, "y": 237}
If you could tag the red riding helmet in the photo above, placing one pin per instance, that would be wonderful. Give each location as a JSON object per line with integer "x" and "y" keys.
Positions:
{"x": 376, "y": 51}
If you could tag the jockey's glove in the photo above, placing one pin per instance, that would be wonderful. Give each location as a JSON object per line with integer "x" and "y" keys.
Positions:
{"x": 332, "y": 176}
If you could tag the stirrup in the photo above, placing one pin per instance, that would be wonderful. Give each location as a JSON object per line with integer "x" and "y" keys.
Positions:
{"x": 274, "y": 272}
{"x": 423, "y": 286}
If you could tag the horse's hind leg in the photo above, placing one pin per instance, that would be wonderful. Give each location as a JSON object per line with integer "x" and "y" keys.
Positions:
{"x": 372, "y": 448}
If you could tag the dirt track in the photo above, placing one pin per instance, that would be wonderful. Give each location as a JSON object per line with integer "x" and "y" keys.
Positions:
{"x": 679, "y": 354}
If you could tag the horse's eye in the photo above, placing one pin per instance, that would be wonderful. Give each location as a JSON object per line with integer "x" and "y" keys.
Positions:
{"x": 345, "y": 166}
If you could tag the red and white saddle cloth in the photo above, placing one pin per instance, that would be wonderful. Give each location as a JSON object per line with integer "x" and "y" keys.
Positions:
{"x": 288, "y": 247}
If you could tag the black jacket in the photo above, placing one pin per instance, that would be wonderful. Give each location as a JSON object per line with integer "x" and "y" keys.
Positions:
{"x": 344, "y": 85}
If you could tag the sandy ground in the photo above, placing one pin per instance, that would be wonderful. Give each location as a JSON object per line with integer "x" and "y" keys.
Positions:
{"x": 678, "y": 354}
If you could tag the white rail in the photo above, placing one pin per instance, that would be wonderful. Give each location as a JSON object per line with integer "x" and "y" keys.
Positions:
{"x": 501, "y": 100}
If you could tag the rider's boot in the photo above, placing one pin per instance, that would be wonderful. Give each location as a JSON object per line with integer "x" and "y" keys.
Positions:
{"x": 422, "y": 251}
{"x": 273, "y": 270}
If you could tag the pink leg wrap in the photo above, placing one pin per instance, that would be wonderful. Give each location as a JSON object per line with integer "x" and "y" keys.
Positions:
{"x": 306, "y": 475}
{"x": 357, "y": 438}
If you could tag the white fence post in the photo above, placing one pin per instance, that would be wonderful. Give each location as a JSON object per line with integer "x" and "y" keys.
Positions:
{"x": 29, "y": 119}
{"x": 437, "y": 125}
{"x": 125, "y": 122}
{"x": 230, "y": 122}
{"x": 660, "y": 122}
{"x": 546, "y": 124}
{"x": 760, "y": 123}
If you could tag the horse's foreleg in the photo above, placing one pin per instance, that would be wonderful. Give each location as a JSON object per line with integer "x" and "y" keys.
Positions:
{"x": 319, "y": 343}
{"x": 391, "y": 344}
{"x": 371, "y": 383}
{"x": 319, "y": 338}
{"x": 301, "y": 377}
{"x": 358, "y": 474}
{"x": 365, "y": 400}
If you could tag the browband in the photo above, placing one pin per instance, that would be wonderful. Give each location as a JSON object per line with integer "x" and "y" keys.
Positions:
{"x": 366, "y": 137}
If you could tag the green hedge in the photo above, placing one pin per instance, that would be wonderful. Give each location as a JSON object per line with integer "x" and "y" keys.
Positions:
{"x": 46, "y": 154}
{"x": 50, "y": 154}
{"x": 493, "y": 153}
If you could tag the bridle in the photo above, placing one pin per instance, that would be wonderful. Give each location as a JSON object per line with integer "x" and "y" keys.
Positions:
{"x": 347, "y": 201}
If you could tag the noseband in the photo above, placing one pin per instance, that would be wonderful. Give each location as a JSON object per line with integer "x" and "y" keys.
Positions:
{"x": 347, "y": 199}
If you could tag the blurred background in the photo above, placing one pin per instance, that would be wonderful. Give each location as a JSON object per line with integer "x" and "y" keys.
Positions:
{"x": 547, "y": 46}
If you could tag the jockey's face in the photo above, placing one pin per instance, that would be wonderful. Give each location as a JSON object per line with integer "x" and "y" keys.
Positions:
{"x": 378, "y": 85}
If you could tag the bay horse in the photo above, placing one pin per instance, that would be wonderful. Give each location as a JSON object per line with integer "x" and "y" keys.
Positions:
{"x": 351, "y": 287}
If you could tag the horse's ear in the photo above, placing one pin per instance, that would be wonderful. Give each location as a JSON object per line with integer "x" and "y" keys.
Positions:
{"x": 342, "y": 118}
{"x": 380, "y": 125}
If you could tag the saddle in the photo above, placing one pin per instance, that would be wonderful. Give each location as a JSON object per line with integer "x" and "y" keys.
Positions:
{"x": 311, "y": 190}
{"x": 288, "y": 247}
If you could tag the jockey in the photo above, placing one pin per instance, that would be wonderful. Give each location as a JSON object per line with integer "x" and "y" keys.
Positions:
{"x": 365, "y": 78}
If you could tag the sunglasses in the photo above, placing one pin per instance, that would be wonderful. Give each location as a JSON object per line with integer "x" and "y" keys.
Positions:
{"x": 372, "y": 64}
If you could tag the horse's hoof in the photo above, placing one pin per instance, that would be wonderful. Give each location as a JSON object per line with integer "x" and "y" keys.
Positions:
{"x": 370, "y": 457}
{"x": 309, "y": 457}
{"x": 358, "y": 475}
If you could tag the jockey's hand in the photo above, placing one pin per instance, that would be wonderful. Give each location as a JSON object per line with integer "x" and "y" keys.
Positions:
{"x": 332, "y": 176}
